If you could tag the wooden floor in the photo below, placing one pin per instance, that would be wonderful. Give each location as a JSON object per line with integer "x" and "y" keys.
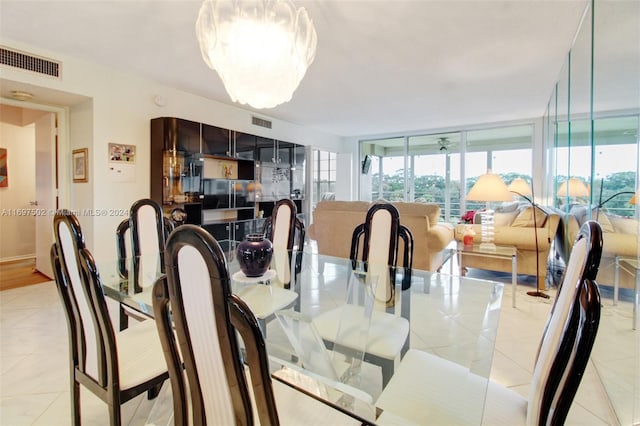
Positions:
{"x": 20, "y": 273}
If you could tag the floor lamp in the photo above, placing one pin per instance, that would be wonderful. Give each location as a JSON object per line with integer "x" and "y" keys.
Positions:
{"x": 489, "y": 187}
{"x": 520, "y": 187}
{"x": 602, "y": 203}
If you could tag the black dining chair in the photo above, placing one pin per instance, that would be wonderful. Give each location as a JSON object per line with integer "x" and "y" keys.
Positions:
{"x": 431, "y": 389}
{"x": 198, "y": 319}
{"x": 375, "y": 243}
{"x": 116, "y": 367}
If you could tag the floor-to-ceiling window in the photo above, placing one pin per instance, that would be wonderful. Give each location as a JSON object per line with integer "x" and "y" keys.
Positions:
{"x": 385, "y": 178}
{"x": 506, "y": 151}
{"x": 434, "y": 171}
{"x": 430, "y": 167}
{"x": 324, "y": 175}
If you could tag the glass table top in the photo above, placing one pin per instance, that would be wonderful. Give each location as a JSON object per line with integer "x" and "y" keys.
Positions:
{"x": 452, "y": 317}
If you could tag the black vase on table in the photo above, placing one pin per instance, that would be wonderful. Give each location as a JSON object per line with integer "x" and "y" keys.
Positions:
{"x": 254, "y": 255}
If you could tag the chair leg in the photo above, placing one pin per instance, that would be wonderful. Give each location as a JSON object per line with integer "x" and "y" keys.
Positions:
{"x": 124, "y": 319}
{"x": 154, "y": 391}
{"x": 75, "y": 400}
{"x": 114, "y": 414}
{"x": 388, "y": 367}
{"x": 320, "y": 267}
{"x": 263, "y": 326}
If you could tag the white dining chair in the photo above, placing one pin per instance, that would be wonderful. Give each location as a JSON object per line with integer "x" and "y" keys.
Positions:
{"x": 212, "y": 381}
{"x": 427, "y": 389}
{"x": 375, "y": 244}
{"x": 281, "y": 229}
{"x": 140, "y": 243}
{"x": 148, "y": 230}
{"x": 116, "y": 367}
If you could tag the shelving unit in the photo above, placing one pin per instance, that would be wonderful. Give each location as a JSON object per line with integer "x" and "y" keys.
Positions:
{"x": 222, "y": 178}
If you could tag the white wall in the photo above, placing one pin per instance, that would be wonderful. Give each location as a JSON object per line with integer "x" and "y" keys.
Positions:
{"x": 18, "y": 231}
{"x": 118, "y": 109}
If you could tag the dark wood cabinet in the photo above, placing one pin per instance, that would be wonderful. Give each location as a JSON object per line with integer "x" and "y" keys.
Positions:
{"x": 235, "y": 231}
{"x": 216, "y": 141}
{"x": 245, "y": 145}
{"x": 211, "y": 172}
{"x": 180, "y": 135}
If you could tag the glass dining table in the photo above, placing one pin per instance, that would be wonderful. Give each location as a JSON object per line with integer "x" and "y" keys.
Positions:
{"x": 452, "y": 317}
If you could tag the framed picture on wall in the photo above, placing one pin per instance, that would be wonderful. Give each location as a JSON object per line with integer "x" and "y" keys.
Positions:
{"x": 80, "y": 163}
{"x": 4, "y": 176}
{"x": 122, "y": 153}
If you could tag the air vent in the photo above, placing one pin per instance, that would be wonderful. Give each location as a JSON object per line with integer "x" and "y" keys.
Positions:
{"x": 261, "y": 122}
{"x": 28, "y": 62}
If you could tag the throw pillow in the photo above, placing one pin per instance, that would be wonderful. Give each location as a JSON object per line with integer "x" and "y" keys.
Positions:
{"x": 504, "y": 219}
{"x": 525, "y": 218}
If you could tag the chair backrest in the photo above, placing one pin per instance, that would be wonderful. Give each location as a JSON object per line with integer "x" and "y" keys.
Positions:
{"x": 123, "y": 247}
{"x": 196, "y": 296}
{"x": 148, "y": 230}
{"x": 280, "y": 227}
{"x": 569, "y": 334}
{"x": 287, "y": 233}
{"x": 381, "y": 231}
{"x": 87, "y": 338}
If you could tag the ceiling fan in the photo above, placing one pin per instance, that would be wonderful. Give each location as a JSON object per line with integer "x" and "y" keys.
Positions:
{"x": 444, "y": 143}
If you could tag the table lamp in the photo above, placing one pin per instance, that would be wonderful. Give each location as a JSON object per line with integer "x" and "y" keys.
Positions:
{"x": 573, "y": 188}
{"x": 489, "y": 187}
{"x": 520, "y": 187}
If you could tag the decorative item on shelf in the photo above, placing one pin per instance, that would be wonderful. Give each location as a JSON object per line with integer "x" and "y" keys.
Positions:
{"x": 468, "y": 235}
{"x": 227, "y": 170}
{"x": 254, "y": 255}
{"x": 239, "y": 37}
{"x": 254, "y": 186}
{"x": 178, "y": 216}
{"x": 520, "y": 187}
{"x": 489, "y": 187}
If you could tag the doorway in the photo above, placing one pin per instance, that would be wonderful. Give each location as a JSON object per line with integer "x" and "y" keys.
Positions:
{"x": 29, "y": 200}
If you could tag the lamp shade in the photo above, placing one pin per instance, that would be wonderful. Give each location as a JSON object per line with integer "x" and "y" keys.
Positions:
{"x": 520, "y": 187}
{"x": 489, "y": 187}
{"x": 260, "y": 48}
{"x": 573, "y": 187}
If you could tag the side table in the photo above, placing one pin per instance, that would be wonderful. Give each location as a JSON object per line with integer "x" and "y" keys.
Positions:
{"x": 629, "y": 265}
{"x": 501, "y": 252}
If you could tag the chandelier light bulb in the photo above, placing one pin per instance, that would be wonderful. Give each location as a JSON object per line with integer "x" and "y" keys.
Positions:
{"x": 260, "y": 48}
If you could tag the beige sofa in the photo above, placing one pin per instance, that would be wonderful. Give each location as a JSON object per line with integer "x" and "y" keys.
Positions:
{"x": 516, "y": 228}
{"x": 334, "y": 222}
{"x": 619, "y": 238}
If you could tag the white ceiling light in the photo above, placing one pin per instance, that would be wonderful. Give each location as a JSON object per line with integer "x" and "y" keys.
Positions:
{"x": 261, "y": 48}
{"x": 19, "y": 95}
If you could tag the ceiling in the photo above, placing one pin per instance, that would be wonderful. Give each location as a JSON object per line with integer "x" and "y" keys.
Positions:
{"x": 381, "y": 67}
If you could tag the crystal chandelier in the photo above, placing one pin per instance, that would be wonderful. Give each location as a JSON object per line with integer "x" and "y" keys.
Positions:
{"x": 260, "y": 48}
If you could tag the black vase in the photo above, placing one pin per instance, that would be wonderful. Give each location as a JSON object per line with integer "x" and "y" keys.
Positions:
{"x": 254, "y": 255}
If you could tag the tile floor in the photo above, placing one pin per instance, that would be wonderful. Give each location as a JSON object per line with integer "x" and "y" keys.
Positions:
{"x": 34, "y": 387}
